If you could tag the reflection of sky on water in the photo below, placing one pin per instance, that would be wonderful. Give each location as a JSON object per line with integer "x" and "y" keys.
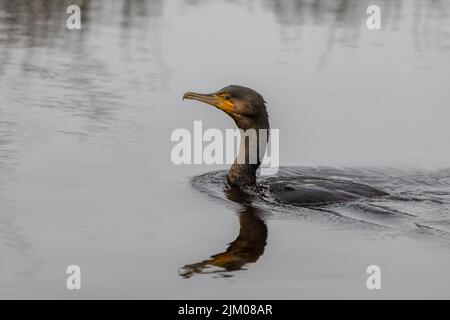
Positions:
{"x": 38, "y": 23}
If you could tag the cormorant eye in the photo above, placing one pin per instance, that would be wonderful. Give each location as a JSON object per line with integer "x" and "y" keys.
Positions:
{"x": 228, "y": 97}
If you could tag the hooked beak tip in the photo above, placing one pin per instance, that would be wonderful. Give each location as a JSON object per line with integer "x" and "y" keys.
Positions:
{"x": 187, "y": 95}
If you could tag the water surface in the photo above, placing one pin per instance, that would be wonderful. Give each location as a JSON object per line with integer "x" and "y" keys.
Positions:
{"x": 85, "y": 170}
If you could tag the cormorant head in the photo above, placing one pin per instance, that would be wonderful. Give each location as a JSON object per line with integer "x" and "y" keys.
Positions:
{"x": 246, "y": 106}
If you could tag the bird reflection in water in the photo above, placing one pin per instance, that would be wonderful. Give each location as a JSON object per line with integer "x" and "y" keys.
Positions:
{"x": 247, "y": 248}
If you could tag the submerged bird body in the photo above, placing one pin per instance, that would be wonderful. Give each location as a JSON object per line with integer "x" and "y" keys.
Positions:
{"x": 314, "y": 191}
{"x": 248, "y": 110}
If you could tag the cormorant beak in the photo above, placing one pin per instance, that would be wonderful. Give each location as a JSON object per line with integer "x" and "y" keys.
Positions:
{"x": 206, "y": 98}
{"x": 213, "y": 99}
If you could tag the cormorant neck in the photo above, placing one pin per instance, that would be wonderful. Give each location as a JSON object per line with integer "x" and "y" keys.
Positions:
{"x": 251, "y": 151}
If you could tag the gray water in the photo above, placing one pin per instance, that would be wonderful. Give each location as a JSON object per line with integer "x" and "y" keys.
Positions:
{"x": 86, "y": 176}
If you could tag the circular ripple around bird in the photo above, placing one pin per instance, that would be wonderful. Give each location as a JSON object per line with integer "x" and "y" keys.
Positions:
{"x": 417, "y": 201}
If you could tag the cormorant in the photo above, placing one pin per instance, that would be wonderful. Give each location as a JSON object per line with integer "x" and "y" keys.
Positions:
{"x": 248, "y": 110}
